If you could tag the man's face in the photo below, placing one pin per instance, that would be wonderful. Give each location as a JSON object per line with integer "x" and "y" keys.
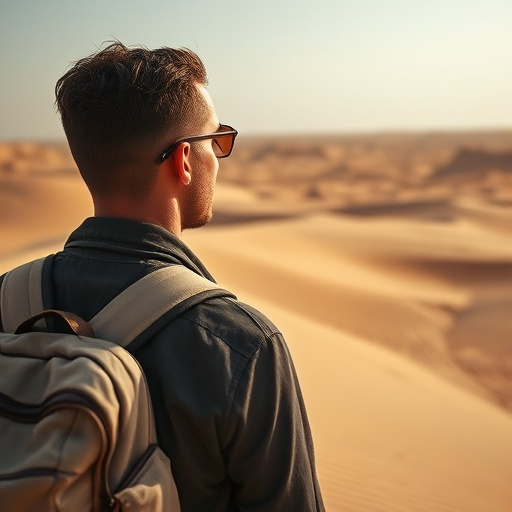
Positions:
{"x": 198, "y": 205}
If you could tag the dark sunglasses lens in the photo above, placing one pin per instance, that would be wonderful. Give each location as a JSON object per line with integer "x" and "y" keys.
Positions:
{"x": 222, "y": 145}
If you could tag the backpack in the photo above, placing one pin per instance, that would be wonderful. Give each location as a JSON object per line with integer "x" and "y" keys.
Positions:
{"x": 77, "y": 430}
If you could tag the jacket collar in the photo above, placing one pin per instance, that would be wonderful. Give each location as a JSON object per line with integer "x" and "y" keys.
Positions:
{"x": 130, "y": 237}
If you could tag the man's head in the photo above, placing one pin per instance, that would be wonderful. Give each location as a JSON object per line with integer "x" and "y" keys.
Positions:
{"x": 122, "y": 106}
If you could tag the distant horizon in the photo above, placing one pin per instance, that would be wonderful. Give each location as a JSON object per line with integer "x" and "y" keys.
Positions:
{"x": 296, "y": 134}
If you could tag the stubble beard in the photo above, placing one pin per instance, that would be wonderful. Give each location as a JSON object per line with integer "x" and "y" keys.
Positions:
{"x": 199, "y": 207}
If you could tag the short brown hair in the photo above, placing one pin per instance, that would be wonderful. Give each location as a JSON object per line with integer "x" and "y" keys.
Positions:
{"x": 117, "y": 103}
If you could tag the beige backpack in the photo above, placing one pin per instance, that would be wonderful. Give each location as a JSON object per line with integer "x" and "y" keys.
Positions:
{"x": 76, "y": 423}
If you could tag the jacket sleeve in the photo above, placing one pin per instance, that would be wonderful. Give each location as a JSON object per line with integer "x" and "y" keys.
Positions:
{"x": 269, "y": 447}
{"x": 1, "y": 324}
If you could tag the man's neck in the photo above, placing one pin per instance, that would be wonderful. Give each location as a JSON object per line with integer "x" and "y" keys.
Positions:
{"x": 165, "y": 218}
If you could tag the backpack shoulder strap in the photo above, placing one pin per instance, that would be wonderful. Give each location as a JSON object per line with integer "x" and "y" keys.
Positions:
{"x": 149, "y": 299}
{"x": 152, "y": 301}
{"x": 21, "y": 295}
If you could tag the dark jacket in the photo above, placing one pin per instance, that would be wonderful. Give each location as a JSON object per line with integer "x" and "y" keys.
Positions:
{"x": 228, "y": 406}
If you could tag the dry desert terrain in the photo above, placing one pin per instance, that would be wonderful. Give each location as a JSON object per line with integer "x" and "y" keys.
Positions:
{"x": 386, "y": 260}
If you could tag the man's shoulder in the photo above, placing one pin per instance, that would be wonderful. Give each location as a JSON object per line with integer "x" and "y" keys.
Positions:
{"x": 240, "y": 326}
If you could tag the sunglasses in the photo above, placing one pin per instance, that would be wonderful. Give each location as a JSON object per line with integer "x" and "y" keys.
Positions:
{"x": 223, "y": 142}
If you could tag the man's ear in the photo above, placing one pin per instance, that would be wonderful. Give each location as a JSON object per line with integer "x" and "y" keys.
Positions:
{"x": 182, "y": 167}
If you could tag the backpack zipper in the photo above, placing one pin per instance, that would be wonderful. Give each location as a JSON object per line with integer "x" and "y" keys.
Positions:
{"x": 32, "y": 413}
{"x": 28, "y": 473}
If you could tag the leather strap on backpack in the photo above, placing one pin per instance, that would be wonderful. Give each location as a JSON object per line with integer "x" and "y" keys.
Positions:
{"x": 74, "y": 323}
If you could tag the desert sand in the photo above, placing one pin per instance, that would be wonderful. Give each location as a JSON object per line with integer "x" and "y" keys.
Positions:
{"x": 386, "y": 261}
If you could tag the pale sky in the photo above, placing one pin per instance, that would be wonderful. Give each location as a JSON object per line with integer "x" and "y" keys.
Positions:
{"x": 280, "y": 66}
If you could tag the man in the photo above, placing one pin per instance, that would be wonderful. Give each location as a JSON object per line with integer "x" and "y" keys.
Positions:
{"x": 228, "y": 407}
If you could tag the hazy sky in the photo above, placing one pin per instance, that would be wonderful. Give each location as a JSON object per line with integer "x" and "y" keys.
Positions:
{"x": 280, "y": 65}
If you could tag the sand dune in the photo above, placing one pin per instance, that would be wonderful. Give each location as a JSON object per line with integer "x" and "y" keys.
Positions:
{"x": 389, "y": 278}
{"x": 37, "y": 210}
